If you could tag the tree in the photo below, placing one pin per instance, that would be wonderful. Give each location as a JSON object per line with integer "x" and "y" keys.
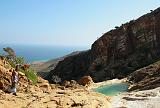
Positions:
{"x": 10, "y": 52}
{"x": 116, "y": 27}
{"x": 11, "y": 56}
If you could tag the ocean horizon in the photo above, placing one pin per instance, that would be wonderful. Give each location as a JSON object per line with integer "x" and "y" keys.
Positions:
{"x": 34, "y": 53}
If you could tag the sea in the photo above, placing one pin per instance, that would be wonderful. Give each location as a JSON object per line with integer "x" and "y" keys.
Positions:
{"x": 35, "y": 53}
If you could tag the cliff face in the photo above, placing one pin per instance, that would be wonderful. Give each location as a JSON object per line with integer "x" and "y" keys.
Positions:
{"x": 145, "y": 78}
{"x": 117, "y": 53}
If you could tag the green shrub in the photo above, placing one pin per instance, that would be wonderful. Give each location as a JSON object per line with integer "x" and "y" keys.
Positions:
{"x": 31, "y": 75}
{"x": 19, "y": 60}
{"x": 11, "y": 63}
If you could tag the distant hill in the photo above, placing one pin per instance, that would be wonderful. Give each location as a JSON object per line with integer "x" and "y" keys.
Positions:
{"x": 43, "y": 68}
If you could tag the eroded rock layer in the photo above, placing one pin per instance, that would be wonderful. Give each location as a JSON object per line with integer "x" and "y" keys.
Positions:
{"x": 145, "y": 78}
{"x": 117, "y": 53}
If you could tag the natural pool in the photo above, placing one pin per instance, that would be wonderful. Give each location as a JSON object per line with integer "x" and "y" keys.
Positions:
{"x": 112, "y": 89}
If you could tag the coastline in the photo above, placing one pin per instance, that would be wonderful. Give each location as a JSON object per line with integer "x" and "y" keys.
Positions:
{"x": 38, "y": 62}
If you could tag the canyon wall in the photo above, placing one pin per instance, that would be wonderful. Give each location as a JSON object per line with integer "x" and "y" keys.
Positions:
{"x": 117, "y": 53}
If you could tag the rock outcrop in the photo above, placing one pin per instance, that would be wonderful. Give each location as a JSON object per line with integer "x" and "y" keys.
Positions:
{"x": 5, "y": 74}
{"x": 86, "y": 80}
{"x": 117, "y": 53}
{"x": 145, "y": 78}
{"x": 24, "y": 83}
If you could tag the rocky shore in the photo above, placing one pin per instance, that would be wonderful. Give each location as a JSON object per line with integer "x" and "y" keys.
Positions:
{"x": 137, "y": 99}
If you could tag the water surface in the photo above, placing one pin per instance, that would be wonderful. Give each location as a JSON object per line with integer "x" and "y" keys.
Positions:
{"x": 33, "y": 53}
{"x": 112, "y": 89}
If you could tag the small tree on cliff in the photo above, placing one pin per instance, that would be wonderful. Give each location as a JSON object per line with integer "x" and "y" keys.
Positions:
{"x": 11, "y": 56}
{"x": 10, "y": 53}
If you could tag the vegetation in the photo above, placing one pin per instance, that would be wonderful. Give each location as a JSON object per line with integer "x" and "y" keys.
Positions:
{"x": 10, "y": 51}
{"x": 30, "y": 74}
{"x": 116, "y": 27}
{"x": 13, "y": 60}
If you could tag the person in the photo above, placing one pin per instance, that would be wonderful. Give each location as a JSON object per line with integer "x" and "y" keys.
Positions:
{"x": 14, "y": 80}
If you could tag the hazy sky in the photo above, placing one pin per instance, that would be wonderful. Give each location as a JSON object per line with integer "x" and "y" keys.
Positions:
{"x": 66, "y": 22}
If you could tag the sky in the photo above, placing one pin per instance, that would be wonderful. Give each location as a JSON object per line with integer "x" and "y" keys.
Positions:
{"x": 65, "y": 22}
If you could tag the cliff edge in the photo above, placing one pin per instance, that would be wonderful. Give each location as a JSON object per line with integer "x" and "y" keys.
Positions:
{"x": 117, "y": 53}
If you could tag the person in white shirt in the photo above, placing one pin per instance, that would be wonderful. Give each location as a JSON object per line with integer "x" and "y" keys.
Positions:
{"x": 15, "y": 79}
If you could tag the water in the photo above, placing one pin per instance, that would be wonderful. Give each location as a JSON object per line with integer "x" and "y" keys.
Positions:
{"x": 33, "y": 53}
{"x": 112, "y": 89}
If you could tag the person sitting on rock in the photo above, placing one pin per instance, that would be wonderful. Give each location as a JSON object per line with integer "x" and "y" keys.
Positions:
{"x": 14, "y": 80}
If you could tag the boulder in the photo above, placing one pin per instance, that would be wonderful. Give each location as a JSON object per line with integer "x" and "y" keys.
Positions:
{"x": 66, "y": 84}
{"x": 43, "y": 85}
{"x": 86, "y": 80}
{"x": 71, "y": 84}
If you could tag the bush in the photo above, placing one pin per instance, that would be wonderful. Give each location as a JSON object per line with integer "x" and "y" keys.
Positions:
{"x": 30, "y": 74}
{"x": 19, "y": 60}
{"x": 12, "y": 63}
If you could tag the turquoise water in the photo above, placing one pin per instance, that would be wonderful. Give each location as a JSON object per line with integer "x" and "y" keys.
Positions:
{"x": 112, "y": 89}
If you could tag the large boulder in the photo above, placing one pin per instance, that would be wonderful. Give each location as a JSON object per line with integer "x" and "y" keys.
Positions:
{"x": 43, "y": 85}
{"x": 86, "y": 80}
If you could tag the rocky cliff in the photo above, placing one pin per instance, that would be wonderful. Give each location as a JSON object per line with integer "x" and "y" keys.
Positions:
{"x": 145, "y": 78}
{"x": 117, "y": 53}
